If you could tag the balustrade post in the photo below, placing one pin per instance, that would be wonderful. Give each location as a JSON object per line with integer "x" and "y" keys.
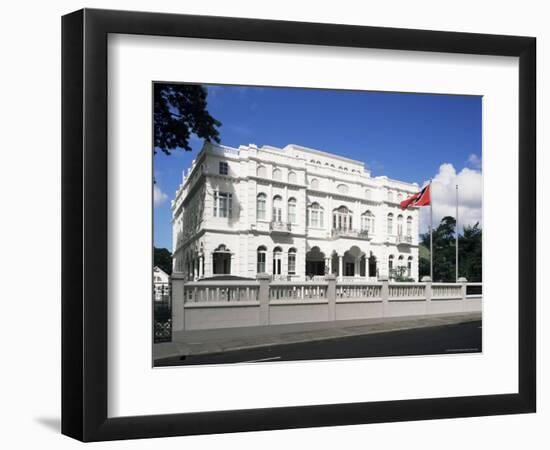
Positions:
{"x": 178, "y": 302}
{"x": 463, "y": 291}
{"x": 385, "y": 293}
{"x": 331, "y": 295}
{"x": 428, "y": 292}
{"x": 263, "y": 297}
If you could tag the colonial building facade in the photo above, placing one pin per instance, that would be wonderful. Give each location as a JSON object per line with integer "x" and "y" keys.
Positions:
{"x": 294, "y": 213}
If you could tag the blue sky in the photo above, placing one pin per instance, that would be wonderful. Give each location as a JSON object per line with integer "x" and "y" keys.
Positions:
{"x": 408, "y": 137}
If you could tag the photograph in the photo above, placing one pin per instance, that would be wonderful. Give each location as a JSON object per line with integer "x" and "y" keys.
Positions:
{"x": 312, "y": 224}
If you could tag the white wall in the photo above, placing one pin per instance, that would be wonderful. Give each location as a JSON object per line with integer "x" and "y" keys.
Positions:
{"x": 30, "y": 184}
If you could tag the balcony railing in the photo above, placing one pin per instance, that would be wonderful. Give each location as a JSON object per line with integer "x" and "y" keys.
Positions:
{"x": 359, "y": 234}
{"x": 404, "y": 239}
{"x": 280, "y": 227}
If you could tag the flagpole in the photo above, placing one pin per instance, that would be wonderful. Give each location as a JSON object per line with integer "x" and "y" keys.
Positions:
{"x": 456, "y": 244}
{"x": 431, "y": 237}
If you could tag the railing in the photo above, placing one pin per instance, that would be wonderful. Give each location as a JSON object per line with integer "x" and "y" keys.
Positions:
{"x": 280, "y": 227}
{"x": 219, "y": 304}
{"x": 221, "y": 291}
{"x": 358, "y": 291}
{"x": 401, "y": 291}
{"x": 403, "y": 239}
{"x": 446, "y": 290}
{"x": 359, "y": 234}
{"x": 298, "y": 291}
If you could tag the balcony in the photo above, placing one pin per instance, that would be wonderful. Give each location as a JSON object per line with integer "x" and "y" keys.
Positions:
{"x": 280, "y": 227}
{"x": 401, "y": 239}
{"x": 348, "y": 233}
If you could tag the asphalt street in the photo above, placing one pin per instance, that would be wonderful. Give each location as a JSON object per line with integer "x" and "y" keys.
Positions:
{"x": 446, "y": 339}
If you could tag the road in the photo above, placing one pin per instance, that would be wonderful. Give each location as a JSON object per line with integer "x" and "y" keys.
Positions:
{"x": 448, "y": 339}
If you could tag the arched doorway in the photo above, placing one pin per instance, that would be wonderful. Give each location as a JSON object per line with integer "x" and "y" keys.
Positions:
{"x": 221, "y": 261}
{"x": 315, "y": 262}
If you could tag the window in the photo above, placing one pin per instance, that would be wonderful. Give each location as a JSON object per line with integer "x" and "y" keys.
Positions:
{"x": 261, "y": 258}
{"x": 221, "y": 261}
{"x": 390, "y": 196}
{"x": 261, "y": 172}
{"x": 367, "y": 222}
{"x": 399, "y": 197}
{"x": 277, "y": 174}
{"x": 224, "y": 168}
{"x": 342, "y": 219}
{"x": 292, "y": 177}
{"x": 292, "y": 261}
{"x": 390, "y": 223}
{"x": 342, "y": 189}
{"x": 277, "y": 209}
{"x": 223, "y": 204}
{"x": 409, "y": 266}
{"x": 261, "y": 206}
{"x": 409, "y": 225}
{"x": 315, "y": 216}
{"x": 292, "y": 210}
{"x": 390, "y": 264}
{"x": 368, "y": 194}
{"x": 314, "y": 183}
{"x": 277, "y": 255}
{"x": 400, "y": 225}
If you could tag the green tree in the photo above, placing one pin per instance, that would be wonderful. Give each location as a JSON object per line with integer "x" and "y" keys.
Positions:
{"x": 444, "y": 256}
{"x": 179, "y": 110}
{"x": 163, "y": 259}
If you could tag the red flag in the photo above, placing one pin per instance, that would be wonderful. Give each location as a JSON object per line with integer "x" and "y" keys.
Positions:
{"x": 421, "y": 198}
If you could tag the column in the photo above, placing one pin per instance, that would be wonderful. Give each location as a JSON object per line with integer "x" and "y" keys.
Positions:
{"x": 357, "y": 268}
{"x": 330, "y": 264}
{"x": 201, "y": 266}
{"x": 367, "y": 267}
{"x": 195, "y": 269}
{"x": 340, "y": 265}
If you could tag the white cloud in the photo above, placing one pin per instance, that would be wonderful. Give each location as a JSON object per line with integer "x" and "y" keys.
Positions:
{"x": 159, "y": 197}
{"x": 474, "y": 161}
{"x": 470, "y": 190}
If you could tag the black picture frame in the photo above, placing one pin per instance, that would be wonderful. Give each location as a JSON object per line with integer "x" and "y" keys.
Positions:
{"x": 84, "y": 224}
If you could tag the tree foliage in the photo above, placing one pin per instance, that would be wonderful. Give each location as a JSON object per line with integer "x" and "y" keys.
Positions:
{"x": 444, "y": 260}
{"x": 163, "y": 259}
{"x": 179, "y": 110}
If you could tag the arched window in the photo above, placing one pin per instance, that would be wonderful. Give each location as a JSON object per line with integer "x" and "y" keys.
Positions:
{"x": 367, "y": 222}
{"x": 261, "y": 206}
{"x": 390, "y": 264}
{"x": 261, "y": 172}
{"x": 333, "y": 166}
{"x": 277, "y": 257}
{"x": 409, "y": 266}
{"x": 221, "y": 260}
{"x": 368, "y": 194}
{"x": 345, "y": 169}
{"x": 277, "y": 174}
{"x": 390, "y": 196}
{"x": 292, "y": 210}
{"x": 260, "y": 259}
{"x": 318, "y": 163}
{"x": 342, "y": 219}
{"x": 292, "y": 177}
{"x": 390, "y": 223}
{"x": 409, "y": 225}
{"x": 400, "y": 225}
{"x": 277, "y": 209}
{"x": 401, "y": 265}
{"x": 314, "y": 183}
{"x": 315, "y": 216}
{"x": 399, "y": 197}
{"x": 342, "y": 189}
{"x": 292, "y": 261}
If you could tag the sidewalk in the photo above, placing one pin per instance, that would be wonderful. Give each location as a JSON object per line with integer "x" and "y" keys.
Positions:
{"x": 201, "y": 342}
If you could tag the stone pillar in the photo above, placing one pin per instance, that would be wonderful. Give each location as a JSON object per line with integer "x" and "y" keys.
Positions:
{"x": 195, "y": 268}
{"x": 357, "y": 267}
{"x": 263, "y": 297}
{"x": 367, "y": 267}
{"x": 385, "y": 294}
{"x": 340, "y": 266}
{"x": 178, "y": 302}
{"x": 330, "y": 264}
{"x": 331, "y": 296}
{"x": 428, "y": 282}
{"x": 463, "y": 288}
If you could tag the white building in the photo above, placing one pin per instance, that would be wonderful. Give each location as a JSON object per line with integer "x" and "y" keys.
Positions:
{"x": 161, "y": 285}
{"x": 294, "y": 212}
